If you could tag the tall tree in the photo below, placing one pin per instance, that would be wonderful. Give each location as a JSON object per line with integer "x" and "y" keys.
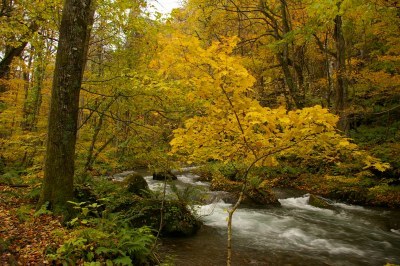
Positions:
{"x": 19, "y": 23}
{"x": 77, "y": 18}
{"x": 341, "y": 86}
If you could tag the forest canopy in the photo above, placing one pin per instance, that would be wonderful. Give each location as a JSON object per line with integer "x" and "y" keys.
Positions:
{"x": 297, "y": 93}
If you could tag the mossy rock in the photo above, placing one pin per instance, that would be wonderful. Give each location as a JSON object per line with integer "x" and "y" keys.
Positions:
{"x": 350, "y": 195}
{"x": 319, "y": 202}
{"x": 164, "y": 176}
{"x": 179, "y": 221}
{"x": 136, "y": 184}
{"x": 203, "y": 173}
{"x": 177, "y": 218}
{"x": 262, "y": 196}
{"x": 222, "y": 184}
{"x": 258, "y": 196}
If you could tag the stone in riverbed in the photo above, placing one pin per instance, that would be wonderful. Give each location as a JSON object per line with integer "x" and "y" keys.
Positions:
{"x": 164, "y": 176}
{"x": 262, "y": 196}
{"x": 252, "y": 196}
{"x": 319, "y": 202}
{"x": 177, "y": 219}
{"x": 136, "y": 184}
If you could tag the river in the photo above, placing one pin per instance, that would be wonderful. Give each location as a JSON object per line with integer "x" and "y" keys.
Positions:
{"x": 294, "y": 234}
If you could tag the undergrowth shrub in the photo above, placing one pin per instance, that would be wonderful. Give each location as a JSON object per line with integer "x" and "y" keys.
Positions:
{"x": 99, "y": 237}
{"x": 119, "y": 246}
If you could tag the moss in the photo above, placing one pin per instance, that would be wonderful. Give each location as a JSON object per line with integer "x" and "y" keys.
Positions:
{"x": 262, "y": 196}
{"x": 136, "y": 184}
{"x": 219, "y": 183}
{"x": 318, "y": 202}
{"x": 353, "y": 190}
{"x": 384, "y": 195}
{"x": 205, "y": 173}
{"x": 254, "y": 194}
{"x": 177, "y": 218}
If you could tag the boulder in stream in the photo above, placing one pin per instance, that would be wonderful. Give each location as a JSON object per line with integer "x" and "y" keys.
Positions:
{"x": 168, "y": 175}
{"x": 177, "y": 219}
{"x": 319, "y": 202}
{"x": 136, "y": 184}
{"x": 253, "y": 196}
{"x": 262, "y": 196}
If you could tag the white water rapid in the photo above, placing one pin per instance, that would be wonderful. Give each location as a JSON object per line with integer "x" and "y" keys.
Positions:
{"x": 294, "y": 234}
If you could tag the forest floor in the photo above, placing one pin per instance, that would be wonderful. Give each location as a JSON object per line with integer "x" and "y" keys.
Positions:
{"x": 25, "y": 235}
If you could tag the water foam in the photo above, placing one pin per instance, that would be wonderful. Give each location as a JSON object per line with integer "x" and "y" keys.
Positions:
{"x": 302, "y": 203}
{"x": 350, "y": 207}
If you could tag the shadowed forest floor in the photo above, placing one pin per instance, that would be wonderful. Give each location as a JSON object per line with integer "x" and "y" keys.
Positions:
{"x": 24, "y": 234}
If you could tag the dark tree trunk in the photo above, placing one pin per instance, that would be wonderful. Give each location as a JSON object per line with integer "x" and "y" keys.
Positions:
{"x": 281, "y": 26}
{"x": 341, "y": 84}
{"x": 8, "y": 58}
{"x": 77, "y": 18}
{"x": 6, "y": 63}
{"x": 12, "y": 53}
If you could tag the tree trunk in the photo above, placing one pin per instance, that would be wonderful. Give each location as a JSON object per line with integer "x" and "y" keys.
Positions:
{"x": 76, "y": 21}
{"x": 284, "y": 56}
{"x": 341, "y": 83}
{"x": 289, "y": 81}
{"x": 6, "y": 63}
{"x": 27, "y": 85}
{"x": 33, "y": 99}
{"x": 279, "y": 26}
{"x": 91, "y": 157}
{"x": 12, "y": 53}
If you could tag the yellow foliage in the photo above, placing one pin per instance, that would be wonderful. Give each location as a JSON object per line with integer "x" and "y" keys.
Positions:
{"x": 234, "y": 127}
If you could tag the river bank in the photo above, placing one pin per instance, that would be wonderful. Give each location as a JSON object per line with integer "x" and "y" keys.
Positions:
{"x": 294, "y": 234}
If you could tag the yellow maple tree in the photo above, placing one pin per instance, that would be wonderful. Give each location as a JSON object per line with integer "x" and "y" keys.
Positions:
{"x": 231, "y": 126}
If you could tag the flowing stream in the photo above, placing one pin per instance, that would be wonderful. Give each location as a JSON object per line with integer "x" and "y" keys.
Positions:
{"x": 294, "y": 234}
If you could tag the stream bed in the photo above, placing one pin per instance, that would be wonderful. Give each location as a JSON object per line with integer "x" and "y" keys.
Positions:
{"x": 294, "y": 234}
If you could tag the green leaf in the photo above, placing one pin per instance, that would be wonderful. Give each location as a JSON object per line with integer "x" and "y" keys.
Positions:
{"x": 94, "y": 205}
{"x": 85, "y": 211}
{"x": 90, "y": 256}
{"x": 73, "y": 221}
{"x": 93, "y": 263}
{"x": 123, "y": 261}
{"x": 102, "y": 250}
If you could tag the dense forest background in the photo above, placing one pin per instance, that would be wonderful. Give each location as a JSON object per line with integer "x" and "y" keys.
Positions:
{"x": 341, "y": 55}
{"x": 308, "y": 92}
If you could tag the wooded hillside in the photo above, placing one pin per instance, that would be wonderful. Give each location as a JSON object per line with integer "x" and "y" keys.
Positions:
{"x": 277, "y": 93}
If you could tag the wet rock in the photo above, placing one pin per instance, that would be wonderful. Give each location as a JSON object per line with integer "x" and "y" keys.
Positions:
{"x": 177, "y": 220}
{"x": 262, "y": 196}
{"x": 136, "y": 184}
{"x": 253, "y": 196}
{"x": 319, "y": 202}
{"x": 164, "y": 176}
